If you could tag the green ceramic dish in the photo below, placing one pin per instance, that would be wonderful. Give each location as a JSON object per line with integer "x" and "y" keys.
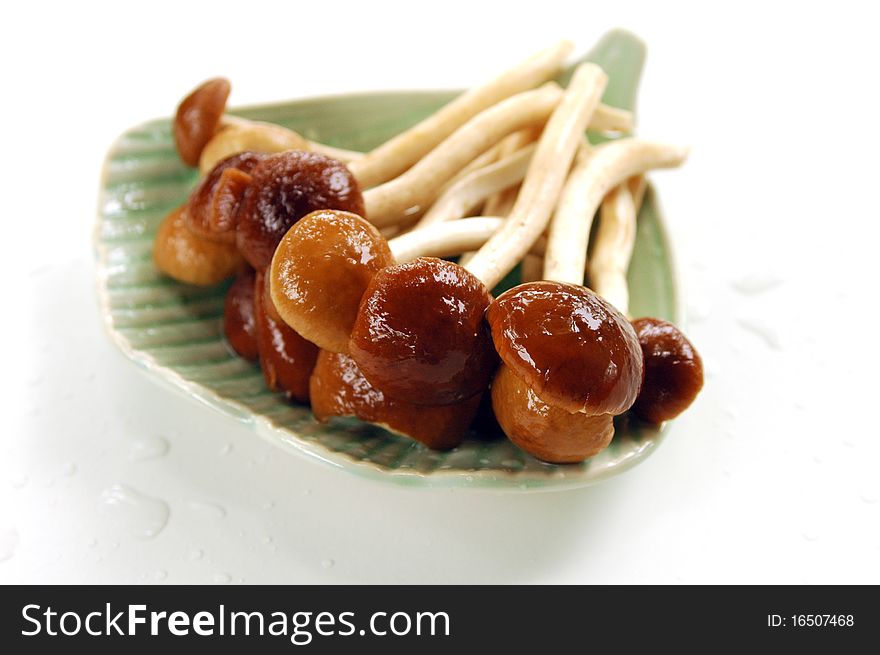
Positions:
{"x": 175, "y": 331}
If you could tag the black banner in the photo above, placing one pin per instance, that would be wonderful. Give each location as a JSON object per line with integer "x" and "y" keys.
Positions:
{"x": 436, "y": 619}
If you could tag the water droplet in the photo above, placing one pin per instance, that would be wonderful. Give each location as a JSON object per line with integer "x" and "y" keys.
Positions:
{"x": 811, "y": 534}
{"x": 206, "y": 509}
{"x": 327, "y": 563}
{"x": 307, "y": 492}
{"x": 69, "y": 469}
{"x": 510, "y": 463}
{"x": 158, "y": 575}
{"x": 222, "y": 578}
{"x": 765, "y": 332}
{"x": 268, "y": 539}
{"x": 92, "y": 543}
{"x": 133, "y": 512}
{"x": 148, "y": 448}
{"x": 269, "y": 504}
{"x": 755, "y": 283}
{"x": 225, "y": 449}
{"x": 9, "y": 540}
{"x": 196, "y": 554}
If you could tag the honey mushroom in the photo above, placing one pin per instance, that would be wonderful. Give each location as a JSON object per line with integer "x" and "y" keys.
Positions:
{"x": 186, "y": 257}
{"x": 419, "y": 335}
{"x": 200, "y": 118}
{"x": 570, "y": 360}
{"x": 673, "y": 367}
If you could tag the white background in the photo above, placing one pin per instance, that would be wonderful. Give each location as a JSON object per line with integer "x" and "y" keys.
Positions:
{"x": 772, "y": 476}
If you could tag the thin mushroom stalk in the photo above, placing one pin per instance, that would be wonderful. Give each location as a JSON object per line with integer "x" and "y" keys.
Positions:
{"x": 599, "y": 170}
{"x": 419, "y": 335}
{"x": 461, "y": 198}
{"x": 239, "y": 135}
{"x": 395, "y": 156}
{"x": 613, "y": 245}
{"x": 419, "y": 186}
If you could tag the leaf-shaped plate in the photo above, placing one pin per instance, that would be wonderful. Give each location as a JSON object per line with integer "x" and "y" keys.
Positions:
{"x": 175, "y": 331}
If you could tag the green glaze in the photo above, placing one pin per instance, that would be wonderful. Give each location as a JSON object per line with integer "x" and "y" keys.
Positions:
{"x": 175, "y": 332}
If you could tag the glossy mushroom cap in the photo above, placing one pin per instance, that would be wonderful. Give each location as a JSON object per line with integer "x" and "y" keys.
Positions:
{"x": 673, "y": 371}
{"x": 239, "y": 323}
{"x": 284, "y": 188}
{"x": 339, "y": 388}
{"x": 189, "y": 258}
{"x": 420, "y": 335}
{"x": 198, "y": 118}
{"x": 212, "y": 208}
{"x": 568, "y": 344}
{"x": 545, "y": 431}
{"x": 320, "y": 271}
{"x": 286, "y": 358}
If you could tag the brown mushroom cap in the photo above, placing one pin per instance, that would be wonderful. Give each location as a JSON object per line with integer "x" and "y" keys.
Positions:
{"x": 673, "y": 371}
{"x": 198, "y": 118}
{"x": 420, "y": 334}
{"x": 212, "y": 208}
{"x": 285, "y": 187}
{"x": 239, "y": 323}
{"x": 545, "y": 431}
{"x": 572, "y": 347}
{"x": 286, "y": 358}
{"x": 339, "y": 388}
{"x": 189, "y": 258}
{"x": 320, "y": 271}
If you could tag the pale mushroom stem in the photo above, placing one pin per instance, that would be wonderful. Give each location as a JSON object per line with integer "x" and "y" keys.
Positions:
{"x": 396, "y": 155}
{"x": 545, "y": 177}
{"x": 461, "y": 198}
{"x": 597, "y": 172}
{"x": 501, "y": 203}
{"x": 614, "y": 241}
{"x": 419, "y": 186}
{"x": 240, "y": 134}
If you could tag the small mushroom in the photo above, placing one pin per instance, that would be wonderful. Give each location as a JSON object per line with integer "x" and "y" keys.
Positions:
{"x": 286, "y": 359}
{"x": 338, "y": 388}
{"x": 570, "y": 360}
{"x": 239, "y": 323}
{"x": 191, "y": 259}
{"x": 673, "y": 371}
{"x": 212, "y": 209}
{"x": 320, "y": 270}
{"x": 200, "y": 125}
{"x": 284, "y": 188}
{"x": 420, "y": 335}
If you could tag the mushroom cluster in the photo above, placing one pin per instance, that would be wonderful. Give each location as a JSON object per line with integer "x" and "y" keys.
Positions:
{"x": 397, "y": 331}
